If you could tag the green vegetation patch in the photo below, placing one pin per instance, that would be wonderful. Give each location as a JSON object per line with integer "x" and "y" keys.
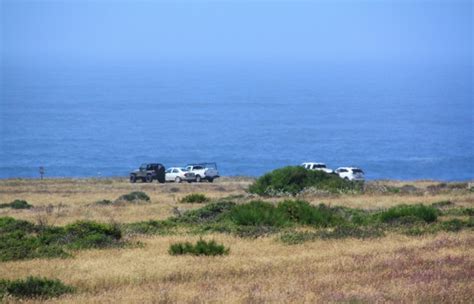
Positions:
{"x": 34, "y": 287}
{"x": 21, "y": 240}
{"x": 17, "y": 204}
{"x": 198, "y": 198}
{"x": 103, "y": 202}
{"x": 339, "y": 232}
{"x": 210, "y": 248}
{"x": 292, "y": 180}
{"x": 401, "y": 212}
{"x": 132, "y": 197}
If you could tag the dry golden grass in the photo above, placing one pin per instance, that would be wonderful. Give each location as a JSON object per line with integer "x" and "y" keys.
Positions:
{"x": 395, "y": 268}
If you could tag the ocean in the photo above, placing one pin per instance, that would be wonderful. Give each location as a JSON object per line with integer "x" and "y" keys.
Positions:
{"x": 395, "y": 121}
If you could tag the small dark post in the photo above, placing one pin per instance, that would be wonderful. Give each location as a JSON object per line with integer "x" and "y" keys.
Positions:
{"x": 41, "y": 171}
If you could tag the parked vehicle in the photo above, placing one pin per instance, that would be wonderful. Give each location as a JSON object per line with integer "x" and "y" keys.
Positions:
{"x": 317, "y": 167}
{"x": 350, "y": 173}
{"x": 204, "y": 171}
{"x": 148, "y": 173}
{"x": 177, "y": 174}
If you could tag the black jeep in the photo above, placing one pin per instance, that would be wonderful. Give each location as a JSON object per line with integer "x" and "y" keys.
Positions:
{"x": 148, "y": 172}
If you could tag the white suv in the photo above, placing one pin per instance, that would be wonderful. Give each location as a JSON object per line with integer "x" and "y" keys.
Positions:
{"x": 316, "y": 166}
{"x": 350, "y": 173}
{"x": 204, "y": 171}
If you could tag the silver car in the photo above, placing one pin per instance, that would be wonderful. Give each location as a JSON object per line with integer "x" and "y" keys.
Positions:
{"x": 178, "y": 174}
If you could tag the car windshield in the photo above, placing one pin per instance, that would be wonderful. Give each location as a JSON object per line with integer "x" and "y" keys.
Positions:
{"x": 357, "y": 171}
{"x": 183, "y": 169}
{"x": 143, "y": 167}
{"x": 319, "y": 166}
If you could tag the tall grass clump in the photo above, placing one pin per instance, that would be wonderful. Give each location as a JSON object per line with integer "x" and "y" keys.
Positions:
{"x": 304, "y": 213}
{"x": 34, "y": 287}
{"x": 195, "y": 198}
{"x": 258, "y": 213}
{"x": 398, "y": 213}
{"x": 292, "y": 180}
{"x": 209, "y": 213}
{"x": 210, "y": 248}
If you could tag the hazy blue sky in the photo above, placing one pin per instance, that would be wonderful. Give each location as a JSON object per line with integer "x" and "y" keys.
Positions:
{"x": 132, "y": 32}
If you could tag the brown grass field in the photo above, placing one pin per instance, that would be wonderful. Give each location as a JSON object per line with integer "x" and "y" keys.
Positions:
{"x": 433, "y": 268}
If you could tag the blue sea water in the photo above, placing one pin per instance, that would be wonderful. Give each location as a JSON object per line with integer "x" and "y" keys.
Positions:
{"x": 402, "y": 121}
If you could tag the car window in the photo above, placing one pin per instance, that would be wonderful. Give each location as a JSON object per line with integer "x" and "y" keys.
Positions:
{"x": 343, "y": 170}
{"x": 198, "y": 167}
{"x": 175, "y": 171}
{"x": 357, "y": 171}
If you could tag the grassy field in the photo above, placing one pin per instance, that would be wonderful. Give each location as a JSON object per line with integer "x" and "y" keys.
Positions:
{"x": 431, "y": 267}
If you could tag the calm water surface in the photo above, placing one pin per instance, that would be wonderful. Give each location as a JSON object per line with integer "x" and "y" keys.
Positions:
{"x": 402, "y": 122}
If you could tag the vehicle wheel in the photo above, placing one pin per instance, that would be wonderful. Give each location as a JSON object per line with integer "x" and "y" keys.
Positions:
{"x": 149, "y": 178}
{"x": 162, "y": 181}
{"x": 177, "y": 179}
{"x": 198, "y": 178}
{"x": 133, "y": 178}
{"x": 210, "y": 180}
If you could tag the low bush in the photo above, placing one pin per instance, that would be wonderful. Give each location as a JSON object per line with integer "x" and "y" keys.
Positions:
{"x": 208, "y": 213}
{"x": 134, "y": 197}
{"x": 34, "y": 287}
{"x": 202, "y": 247}
{"x": 9, "y": 224}
{"x": 21, "y": 240}
{"x": 103, "y": 202}
{"x": 149, "y": 227}
{"x": 17, "y": 204}
{"x": 397, "y": 213}
{"x": 292, "y": 180}
{"x": 339, "y": 232}
{"x": 195, "y": 198}
{"x": 20, "y": 246}
{"x": 258, "y": 213}
{"x": 88, "y": 234}
{"x": 302, "y": 212}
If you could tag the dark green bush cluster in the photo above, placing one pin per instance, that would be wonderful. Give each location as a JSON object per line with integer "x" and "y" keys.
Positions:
{"x": 416, "y": 212}
{"x": 292, "y": 180}
{"x": 21, "y": 240}
{"x": 200, "y": 248}
{"x": 17, "y": 204}
{"x": 195, "y": 198}
{"x": 133, "y": 197}
{"x": 34, "y": 287}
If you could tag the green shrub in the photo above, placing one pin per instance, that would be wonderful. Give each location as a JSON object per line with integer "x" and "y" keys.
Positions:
{"x": 339, "y": 232}
{"x": 17, "y": 204}
{"x": 194, "y": 198}
{"x": 258, "y": 213}
{"x": 208, "y": 213}
{"x": 202, "y": 247}
{"x": 9, "y": 224}
{"x": 304, "y": 213}
{"x": 20, "y": 246}
{"x": 134, "y": 196}
{"x": 88, "y": 234}
{"x": 394, "y": 214}
{"x": 292, "y": 180}
{"x": 453, "y": 225}
{"x": 34, "y": 287}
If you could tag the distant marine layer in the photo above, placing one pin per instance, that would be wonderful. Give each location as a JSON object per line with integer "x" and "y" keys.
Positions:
{"x": 397, "y": 122}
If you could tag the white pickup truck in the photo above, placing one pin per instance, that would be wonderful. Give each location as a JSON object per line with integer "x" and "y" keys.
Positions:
{"x": 204, "y": 171}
